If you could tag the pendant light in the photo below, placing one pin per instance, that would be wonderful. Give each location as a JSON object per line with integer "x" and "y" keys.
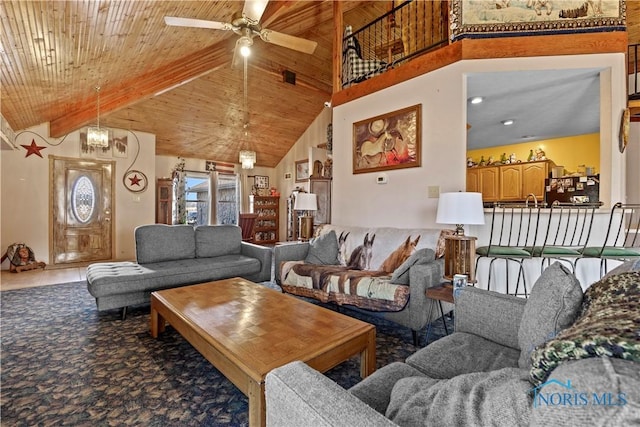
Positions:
{"x": 97, "y": 137}
{"x": 247, "y": 157}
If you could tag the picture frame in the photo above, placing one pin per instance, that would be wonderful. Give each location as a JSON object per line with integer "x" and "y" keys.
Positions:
{"x": 302, "y": 170}
{"x": 475, "y": 19}
{"x": 261, "y": 181}
{"x": 120, "y": 144}
{"x": 389, "y": 141}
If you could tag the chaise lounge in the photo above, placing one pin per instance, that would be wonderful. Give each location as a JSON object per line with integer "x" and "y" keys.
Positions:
{"x": 168, "y": 256}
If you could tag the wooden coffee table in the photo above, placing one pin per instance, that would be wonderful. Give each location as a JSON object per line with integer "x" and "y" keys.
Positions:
{"x": 245, "y": 330}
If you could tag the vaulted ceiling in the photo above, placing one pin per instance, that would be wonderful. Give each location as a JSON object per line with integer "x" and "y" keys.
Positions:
{"x": 174, "y": 82}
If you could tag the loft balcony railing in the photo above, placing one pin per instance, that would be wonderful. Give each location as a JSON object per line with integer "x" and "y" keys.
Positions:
{"x": 406, "y": 31}
{"x": 632, "y": 55}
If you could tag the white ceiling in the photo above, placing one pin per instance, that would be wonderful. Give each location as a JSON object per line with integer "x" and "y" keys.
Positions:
{"x": 544, "y": 104}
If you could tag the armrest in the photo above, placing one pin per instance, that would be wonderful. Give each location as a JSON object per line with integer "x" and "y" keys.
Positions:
{"x": 292, "y": 252}
{"x": 298, "y": 395}
{"x": 261, "y": 253}
{"x": 489, "y": 314}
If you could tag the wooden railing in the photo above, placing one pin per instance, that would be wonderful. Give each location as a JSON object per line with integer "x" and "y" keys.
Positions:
{"x": 406, "y": 31}
{"x": 632, "y": 56}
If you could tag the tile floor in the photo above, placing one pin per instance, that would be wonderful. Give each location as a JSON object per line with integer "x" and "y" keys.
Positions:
{"x": 40, "y": 277}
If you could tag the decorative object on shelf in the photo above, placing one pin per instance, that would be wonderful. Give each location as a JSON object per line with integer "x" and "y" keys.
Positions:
{"x": 261, "y": 181}
{"x": 482, "y": 161}
{"x": 273, "y": 191}
{"x": 97, "y": 137}
{"x": 317, "y": 169}
{"x": 513, "y": 158}
{"x": 328, "y": 168}
{"x": 135, "y": 181}
{"x": 460, "y": 208}
{"x": 503, "y": 158}
{"x": 623, "y": 138}
{"x": 491, "y": 161}
{"x": 470, "y": 18}
{"x": 33, "y": 148}
{"x": 540, "y": 154}
{"x": 306, "y": 202}
{"x": 302, "y": 170}
{"x": 330, "y": 137}
{"x": 470, "y": 162}
{"x": 532, "y": 157}
{"x": 389, "y": 141}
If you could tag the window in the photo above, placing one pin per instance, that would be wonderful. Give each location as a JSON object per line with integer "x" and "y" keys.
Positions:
{"x": 197, "y": 198}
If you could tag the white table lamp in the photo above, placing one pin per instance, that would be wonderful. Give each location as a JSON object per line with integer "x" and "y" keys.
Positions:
{"x": 306, "y": 202}
{"x": 460, "y": 208}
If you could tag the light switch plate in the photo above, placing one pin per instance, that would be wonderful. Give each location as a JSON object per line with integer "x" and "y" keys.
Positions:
{"x": 433, "y": 191}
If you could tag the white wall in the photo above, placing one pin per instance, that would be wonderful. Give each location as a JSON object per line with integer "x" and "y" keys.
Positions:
{"x": 24, "y": 194}
{"x": 403, "y": 202}
{"x": 304, "y": 148}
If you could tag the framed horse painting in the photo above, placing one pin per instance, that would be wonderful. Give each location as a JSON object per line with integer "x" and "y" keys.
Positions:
{"x": 388, "y": 141}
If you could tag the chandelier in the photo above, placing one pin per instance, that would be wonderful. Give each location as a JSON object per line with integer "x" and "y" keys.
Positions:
{"x": 247, "y": 157}
{"x": 97, "y": 137}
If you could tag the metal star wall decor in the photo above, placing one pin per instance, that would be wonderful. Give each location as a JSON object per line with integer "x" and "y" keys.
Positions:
{"x": 33, "y": 148}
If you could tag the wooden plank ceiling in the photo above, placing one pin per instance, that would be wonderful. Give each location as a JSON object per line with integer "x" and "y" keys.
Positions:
{"x": 174, "y": 82}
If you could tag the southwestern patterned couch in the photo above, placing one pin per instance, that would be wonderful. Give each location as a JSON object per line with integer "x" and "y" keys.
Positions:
{"x": 382, "y": 270}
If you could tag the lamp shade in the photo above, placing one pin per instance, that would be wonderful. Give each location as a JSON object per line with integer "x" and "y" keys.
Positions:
{"x": 460, "y": 208}
{"x": 306, "y": 202}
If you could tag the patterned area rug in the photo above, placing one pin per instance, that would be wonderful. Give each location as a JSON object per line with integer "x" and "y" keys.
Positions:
{"x": 64, "y": 363}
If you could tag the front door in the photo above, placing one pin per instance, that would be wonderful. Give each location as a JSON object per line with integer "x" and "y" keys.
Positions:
{"x": 81, "y": 194}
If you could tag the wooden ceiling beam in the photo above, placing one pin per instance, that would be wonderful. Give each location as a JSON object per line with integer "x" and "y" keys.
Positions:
{"x": 143, "y": 87}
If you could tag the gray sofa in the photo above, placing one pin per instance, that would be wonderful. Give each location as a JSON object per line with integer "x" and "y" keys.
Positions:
{"x": 558, "y": 358}
{"x": 169, "y": 256}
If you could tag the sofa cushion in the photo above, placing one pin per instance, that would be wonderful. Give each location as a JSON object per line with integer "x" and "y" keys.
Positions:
{"x": 323, "y": 249}
{"x": 590, "y": 380}
{"x": 553, "y": 305}
{"x": 462, "y": 353}
{"x": 217, "y": 240}
{"x": 607, "y": 326}
{"x": 160, "y": 242}
{"x": 421, "y": 256}
{"x": 496, "y": 398}
{"x": 375, "y": 390}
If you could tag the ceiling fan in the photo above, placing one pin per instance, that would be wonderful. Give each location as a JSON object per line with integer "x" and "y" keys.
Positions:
{"x": 247, "y": 26}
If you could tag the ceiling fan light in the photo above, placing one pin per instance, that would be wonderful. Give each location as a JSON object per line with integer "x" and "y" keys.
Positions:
{"x": 245, "y": 51}
{"x": 247, "y": 159}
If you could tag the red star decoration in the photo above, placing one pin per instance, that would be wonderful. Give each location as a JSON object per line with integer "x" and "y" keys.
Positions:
{"x": 135, "y": 180}
{"x": 33, "y": 148}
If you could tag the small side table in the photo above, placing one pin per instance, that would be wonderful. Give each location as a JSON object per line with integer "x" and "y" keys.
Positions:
{"x": 443, "y": 292}
{"x": 459, "y": 257}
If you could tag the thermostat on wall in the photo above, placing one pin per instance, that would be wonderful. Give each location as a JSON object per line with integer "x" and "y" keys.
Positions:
{"x": 382, "y": 178}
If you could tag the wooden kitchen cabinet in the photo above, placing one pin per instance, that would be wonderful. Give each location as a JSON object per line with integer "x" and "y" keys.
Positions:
{"x": 484, "y": 180}
{"x": 509, "y": 183}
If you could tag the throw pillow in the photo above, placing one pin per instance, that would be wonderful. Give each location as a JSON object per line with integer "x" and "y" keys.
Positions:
{"x": 607, "y": 326}
{"x": 401, "y": 274}
{"x": 553, "y": 305}
{"x": 441, "y": 242}
{"x": 323, "y": 249}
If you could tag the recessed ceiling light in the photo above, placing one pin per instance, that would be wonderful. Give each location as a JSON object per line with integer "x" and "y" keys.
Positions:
{"x": 507, "y": 122}
{"x": 476, "y": 100}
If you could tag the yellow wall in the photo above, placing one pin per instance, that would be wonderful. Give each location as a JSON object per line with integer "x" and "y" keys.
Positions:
{"x": 569, "y": 152}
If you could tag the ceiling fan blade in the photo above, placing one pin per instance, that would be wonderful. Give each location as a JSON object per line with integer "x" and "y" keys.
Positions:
{"x": 253, "y": 10}
{"x": 291, "y": 42}
{"x": 197, "y": 23}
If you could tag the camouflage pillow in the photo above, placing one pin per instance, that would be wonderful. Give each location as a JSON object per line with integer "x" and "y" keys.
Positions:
{"x": 606, "y": 326}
